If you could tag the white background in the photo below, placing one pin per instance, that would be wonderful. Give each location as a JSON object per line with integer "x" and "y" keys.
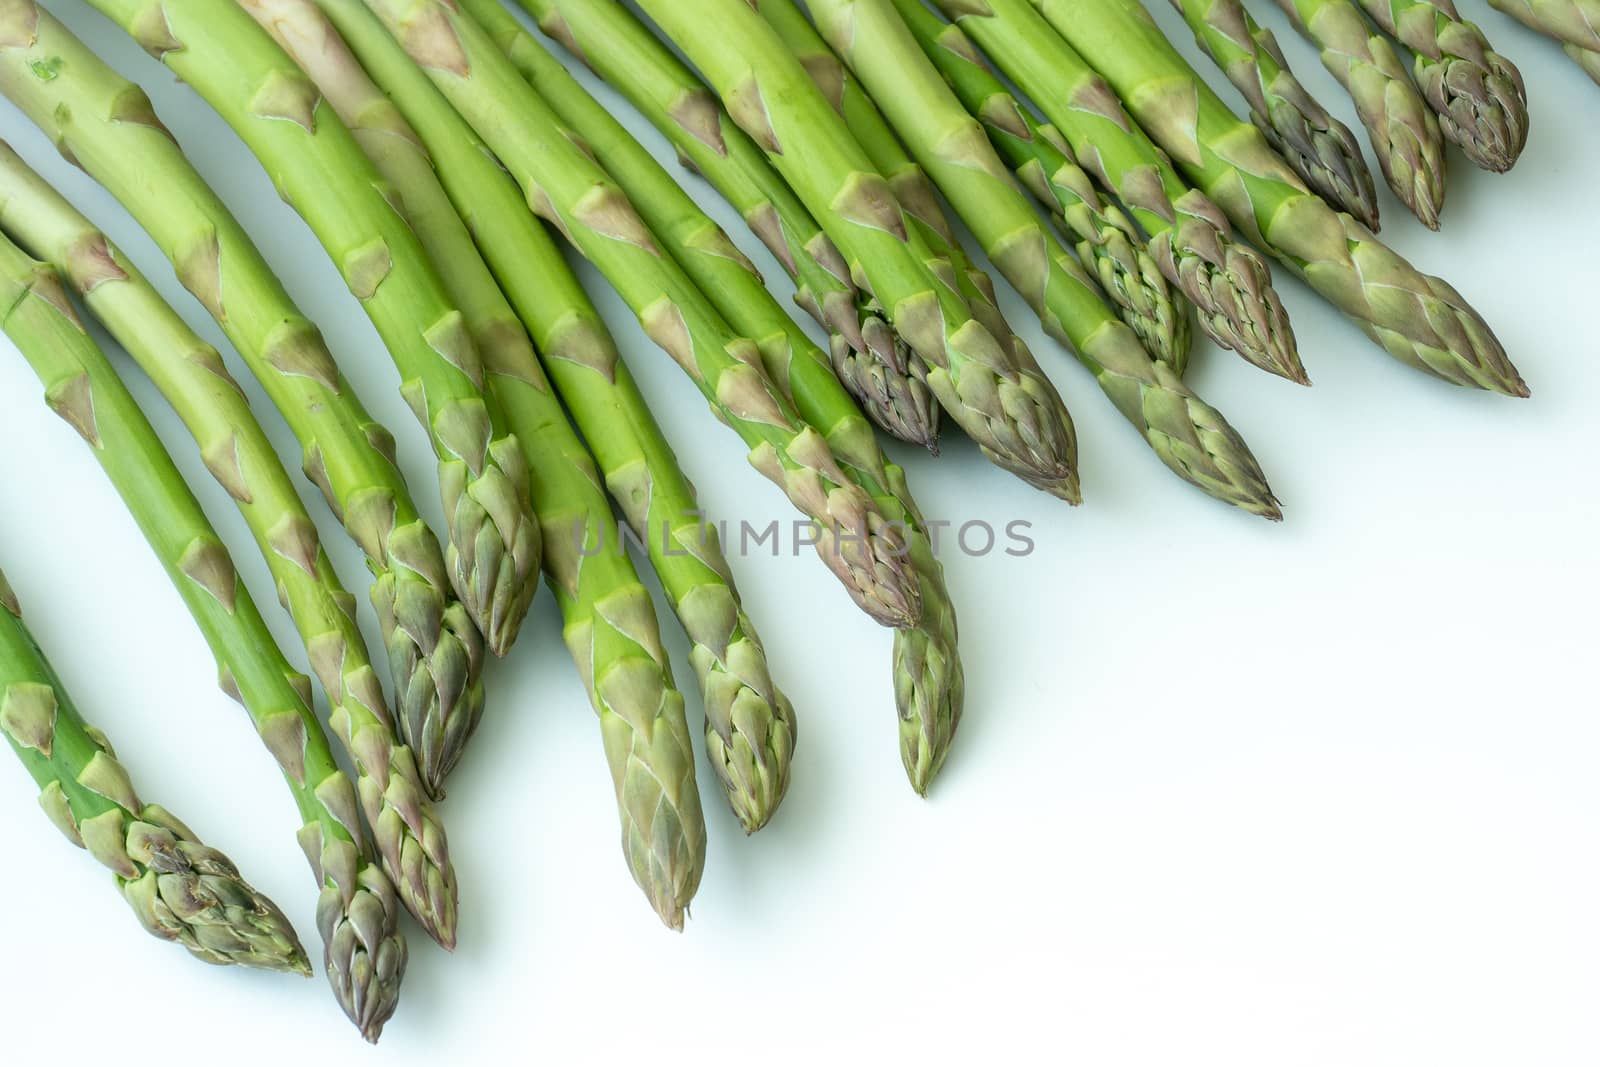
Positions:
{"x": 1226, "y": 792}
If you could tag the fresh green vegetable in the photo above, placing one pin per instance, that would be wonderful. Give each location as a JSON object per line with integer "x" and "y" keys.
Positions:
{"x": 1403, "y": 129}
{"x": 1576, "y": 23}
{"x": 926, "y": 666}
{"x": 192, "y": 376}
{"x": 1476, "y": 92}
{"x": 493, "y": 549}
{"x": 181, "y": 890}
{"x": 1106, "y": 240}
{"x": 982, "y": 376}
{"x": 1228, "y": 283}
{"x": 873, "y": 362}
{"x": 1319, "y": 147}
{"x": 105, "y": 122}
{"x": 1418, "y": 319}
{"x": 568, "y": 188}
{"x": 1189, "y": 436}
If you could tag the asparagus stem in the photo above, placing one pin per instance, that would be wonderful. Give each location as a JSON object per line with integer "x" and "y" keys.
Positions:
{"x": 493, "y": 549}
{"x": 1189, "y": 435}
{"x": 1229, "y": 284}
{"x": 1319, "y": 147}
{"x": 1418, "y": 319}
{"x": 567, "y": 498}
{"x": 194, "y": 380}
{"x": 874, "y": 362}
{"x": 990, "y": 385}
{"x": 789, "y": 356}
{"x": 610, "y": 626}
{"x": 1106, "y": 240}
{"x": 103, "y": 121}
{"x": 1403, "y": 130}
{"x": 565, "y": 186}
{"x": 179, "y": 889}
{"x": 1576, "y": 23}
{"x": 1476, "y": 92}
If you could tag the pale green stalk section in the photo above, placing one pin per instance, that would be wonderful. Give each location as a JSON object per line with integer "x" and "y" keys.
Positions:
{"x": 872, "y": 361}
{"x": 1191, "y": 437}
{"x": 1319, "y": 147}
{"x": 983, "y": 376}
{"x": 181, "y": 890}
{"x": 1403, "y": 129}
{"x": 1418, "y": 319}
{"x": 610, "y": 624}
{"x": 103, "y": 122}
{"x": 1576, "y": 23}
{"x": 317, "y": 166}
{"x": 192, "y": 376}
{"x": 1229, "y": 284}
{"x": 926, "y": 668}
{"x": 566, "y": 187}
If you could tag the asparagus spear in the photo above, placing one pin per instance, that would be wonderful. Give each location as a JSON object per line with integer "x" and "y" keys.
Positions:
{"x": 103, "y": 121}
{"x": 1229, "y": 284}
{"x": 357, "y": 913}
{"x": 565, "y": 186}
{"x": 989, "y": 385}
{"x": 927, "y": 670}
{"x": 1417, "y": 318}
{"x": 193, "y": 378}
{"x": 179, "y": 889}
{"x": 1189, "y": 436}
{"x": 872, "y": 360}
{"x": 1319, "y": 147}
{"x": 1476, "y": 92}
{"x": 493, "y": 549}
{"x": 565, "y": 487}
{"x": 1576, "y": 23}
{"x": 1403, "y": 130}
{"x": 906, "y": 177}
{"x": 1105, "y": 238}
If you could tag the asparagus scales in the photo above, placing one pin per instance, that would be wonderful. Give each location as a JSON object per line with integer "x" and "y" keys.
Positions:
{"x": 1189, "y": 436}
{"x": 873, "y": 361}
{"x": 1230, "y": 285}
{"x": 1403, "y": 129}
{"x": 1417, "y": 318}
{"x": 1319, "y": 147}
{"x": 929, "y": 682}
{"x": 103, "y": 121}
{"x": 1575, "y": 23}
{"x": 493, "y": 549}
{"x": 191, "y": 375}
{"x": 180, "y": 889}
{"x": 864, "y": 551}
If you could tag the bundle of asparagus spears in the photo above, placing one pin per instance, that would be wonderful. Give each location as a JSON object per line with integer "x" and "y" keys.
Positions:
{"x": 441, "y": 152}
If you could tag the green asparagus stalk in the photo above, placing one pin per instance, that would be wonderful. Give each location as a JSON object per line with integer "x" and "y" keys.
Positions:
{"x": 1576, "y": 23}
{"x": 926, "y": 666}
{"x": 1106, "y": 240}
{"x": 179, "y": 889}
{"x": 357, "y": 913}
{"x": 1476, "y": 92}
{"x": 1417, "y": 318}
{"x": 493, "y": 549}
{"x": 103, "y": 121}
{"x": 192, "y": 377}
{"x": 1403, "y": 129}
{"x": 874, "y": 135}
{"x": 565, "y": 186}
{"x": 989, "y": 384}
{"x": 1228, "y": 283}
{"x": 1190, "y": 436}
{"x": 1319, "y": 147}
{"x": 567, "y": 499}
{"x": 641, "y": 472}
{"x": 873, "y": 362}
